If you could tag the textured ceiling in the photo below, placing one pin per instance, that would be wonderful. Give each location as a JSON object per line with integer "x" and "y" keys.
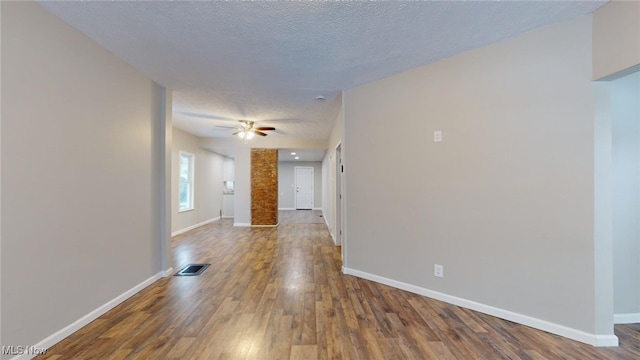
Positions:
{"x": 301, "y": 154}
{"x": 269, "y": 60}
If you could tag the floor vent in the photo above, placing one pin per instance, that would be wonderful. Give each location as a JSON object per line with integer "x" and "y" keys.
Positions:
{"x": 192, "y": 270}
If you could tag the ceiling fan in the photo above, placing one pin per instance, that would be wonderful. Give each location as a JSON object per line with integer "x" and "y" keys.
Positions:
{"x": 247, "y": 130}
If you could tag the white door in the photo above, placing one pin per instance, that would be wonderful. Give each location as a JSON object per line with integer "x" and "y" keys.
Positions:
{"x": 304, "y": 188}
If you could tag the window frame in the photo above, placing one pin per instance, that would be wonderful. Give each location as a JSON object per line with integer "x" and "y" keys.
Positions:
{"x": 190, "y": 181}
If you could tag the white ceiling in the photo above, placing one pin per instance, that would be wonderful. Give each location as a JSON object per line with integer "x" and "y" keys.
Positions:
{"x": 267, "y": 61}
{"x": 283, "y": 154}
{"x": 302, "y": 154}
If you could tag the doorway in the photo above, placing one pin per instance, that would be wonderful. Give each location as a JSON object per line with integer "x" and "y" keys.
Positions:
{"x": 625, "y": 196}
{"x": 338, "y": 228}
{"x": 304, "y": 187}
{"x": 617, "y": 201}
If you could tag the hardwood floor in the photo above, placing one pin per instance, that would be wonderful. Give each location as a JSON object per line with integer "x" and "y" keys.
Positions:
{"x": 278, "y": 293}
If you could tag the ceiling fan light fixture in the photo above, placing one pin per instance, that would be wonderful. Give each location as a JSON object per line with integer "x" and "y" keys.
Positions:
{"x": 247, "y": 131}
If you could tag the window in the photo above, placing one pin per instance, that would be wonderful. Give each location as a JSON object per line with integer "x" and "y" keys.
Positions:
{"x": 186, "y": 182}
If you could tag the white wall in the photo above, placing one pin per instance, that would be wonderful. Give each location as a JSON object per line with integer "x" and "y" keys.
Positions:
{"x": 616, "y": 38}
{"x": 603, "y": 244}
{"x": 329, "y": 179}
{"x": 326, "y": 187}
{"x": 228, "y": 200}
{"x": 286, "y": 183}
{"x": 505, "y": 202}
{"x": 242, "y": 183}
{"x": 208, "y": 183}
{"x": 228, "y": 169}
{"x": 625, "y": 114}
{"x": 80, "y": 175}
{"x": 1, "y": 343}
{"x": 616, "y": 52}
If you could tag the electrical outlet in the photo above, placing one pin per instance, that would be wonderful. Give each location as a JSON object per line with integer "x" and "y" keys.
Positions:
{"x": 438, "y": 270}
{"x": 437, "y": 136}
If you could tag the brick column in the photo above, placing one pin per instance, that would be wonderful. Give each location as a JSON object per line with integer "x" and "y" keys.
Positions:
{"x": 264, "y": 186}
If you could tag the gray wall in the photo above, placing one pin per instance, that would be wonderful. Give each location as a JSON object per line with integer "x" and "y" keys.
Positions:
{"x": 616, "y": 51}
{"x": 616, "y": 46}
{"x": 80, "y": 172}
{"x": 505, "y": 202}
{"x": 242, "y": 184}
{"x": 286, "y": 181}
{"x": 227, "y": 169}
{"x": 329, "y": 179}
{"x": 208, "y": 178}
{"x": 625, "y": 167}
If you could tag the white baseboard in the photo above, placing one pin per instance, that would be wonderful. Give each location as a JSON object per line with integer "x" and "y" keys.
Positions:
{"x": 574, "y": 334}
{"x": 182, "y": 231}
{"x": 631, "y": 318}
{"x": 83, "y": 321}
{"x": 297, "y": 209}
{"x": 335, "y": 242}
{"x": 167, "y": 273}
{"x": 242, "y": 224}
{"x": 227, "y": 216}
{"x": 602, "y": 340}
{"x": 259, "y": 226}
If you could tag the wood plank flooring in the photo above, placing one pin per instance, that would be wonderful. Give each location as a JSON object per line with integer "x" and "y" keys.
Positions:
{"x": 278, "y": 293}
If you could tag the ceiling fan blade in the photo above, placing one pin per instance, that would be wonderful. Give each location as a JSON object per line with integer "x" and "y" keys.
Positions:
{"x": 265, "y": 128}
{"x": 237, "y": 132}
{"x": 257, "y": 132}
{"x": 227, "y": 127}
